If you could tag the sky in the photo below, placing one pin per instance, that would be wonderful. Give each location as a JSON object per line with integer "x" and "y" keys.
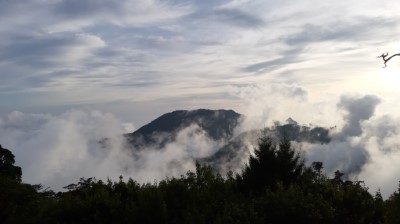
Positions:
{"x": 121, "y": 64}
{"x": 140, "y": 59}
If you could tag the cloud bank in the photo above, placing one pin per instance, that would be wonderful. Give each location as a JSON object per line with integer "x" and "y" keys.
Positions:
{"x": 364, "y": 147}
{"x": 57, "y": 150}
{"x": 363, "y": 136}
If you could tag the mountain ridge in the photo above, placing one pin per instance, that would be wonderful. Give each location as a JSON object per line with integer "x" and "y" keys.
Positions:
{"x": 220, "y": 125}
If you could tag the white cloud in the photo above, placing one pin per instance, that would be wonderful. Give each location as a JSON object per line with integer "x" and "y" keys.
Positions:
{"x": 265, "y": 104}
{"x": 57, "y": 150}
{"x": 364, "y": 147}
{"x": 364, "y": 138}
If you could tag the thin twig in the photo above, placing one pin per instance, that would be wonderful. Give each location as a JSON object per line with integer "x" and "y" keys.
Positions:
{"x": 385, "y": 60}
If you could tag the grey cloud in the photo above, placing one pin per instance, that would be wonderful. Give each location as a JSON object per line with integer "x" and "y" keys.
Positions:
{"x": 345, "y": 152}
{"x": 35, "y": 50}
{"x": 229, "y": 16}
{"x": 9, "y": 8}
{"x": 357, "y": 110}
{"x": 357, "y": 28}
{"x": 209, "y": 4}
{"x": 125, "y": 13}
{"x": 25, "y": 46}
{"x": 239, "y": 18}
{"x": 32, "y": 61}
{"x": 287, "y": 57}
{"x": 139, "y": 84}
{"x": 313, "y": 33}
{"x": 174, "y": 44}
{"x": 19, "y": 120}
{"x": 385, "y": 130}
{"x": 340, "y": 155}
{"x": 366, "y": 147}
{"x": 270, "y": 65}
{"x": 75, "y": 16}
{"x": 86, "y": 8}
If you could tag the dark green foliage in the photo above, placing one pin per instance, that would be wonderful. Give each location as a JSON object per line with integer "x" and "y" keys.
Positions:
{"x": 7, "y": 168}
{"x": 392, "y": 208}
{"x": 18, "y": 201}
{"x": 269, "y": 166}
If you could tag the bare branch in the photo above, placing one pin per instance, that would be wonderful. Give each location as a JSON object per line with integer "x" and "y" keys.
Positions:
{"x": 385, "y": 60}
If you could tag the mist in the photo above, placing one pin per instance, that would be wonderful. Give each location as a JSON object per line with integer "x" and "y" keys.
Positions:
{"x": 364, "y": 139}
{"x": 57, "y": 150}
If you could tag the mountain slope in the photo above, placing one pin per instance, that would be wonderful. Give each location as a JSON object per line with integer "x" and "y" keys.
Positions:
{"x": 218, "y": 125}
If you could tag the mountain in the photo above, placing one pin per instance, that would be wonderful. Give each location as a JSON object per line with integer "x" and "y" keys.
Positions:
{"x": 217, "y": 124}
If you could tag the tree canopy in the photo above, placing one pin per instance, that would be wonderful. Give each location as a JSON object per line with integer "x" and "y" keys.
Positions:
{"x": 7, "y": 168}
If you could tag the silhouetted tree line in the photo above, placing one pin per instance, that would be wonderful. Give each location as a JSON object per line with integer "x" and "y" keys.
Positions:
{"x": 275, "y": 187}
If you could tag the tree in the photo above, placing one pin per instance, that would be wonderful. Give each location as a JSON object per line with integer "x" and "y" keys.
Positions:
{"x": 270, "y": 165}
{"x": 7, "y": 168}
{"x": 18, "y": 201}
{"x": 392, "y": 207}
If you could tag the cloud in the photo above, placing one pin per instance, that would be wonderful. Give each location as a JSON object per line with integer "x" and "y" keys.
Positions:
{"x": 40, "y": 49}
{"x": 357, "y": 28}
{"x": 175, "y": 158}
{"x": 46, "y": 146}
{"x": 363, "y": 140}
{"x": 357, "y": 110}
{"x": 381, "y": 171}
{"x": 348, "y": 150}
{"x": 365, "y": 145}
{"x": 266, "y": 104}
{"x": 67, "y": 16}
{"x": 81, "y": 14}
{"x": 365, "y": 148}
{"x": 233, "y": 17}
{"x": 32, "y": 63}
{"x": 113, "y": 49}
{"x": 234, "y": 4}
{"x": 346, "y": 156}
{"x": 289, "y": 57}
{"x": 57, "y": 150}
